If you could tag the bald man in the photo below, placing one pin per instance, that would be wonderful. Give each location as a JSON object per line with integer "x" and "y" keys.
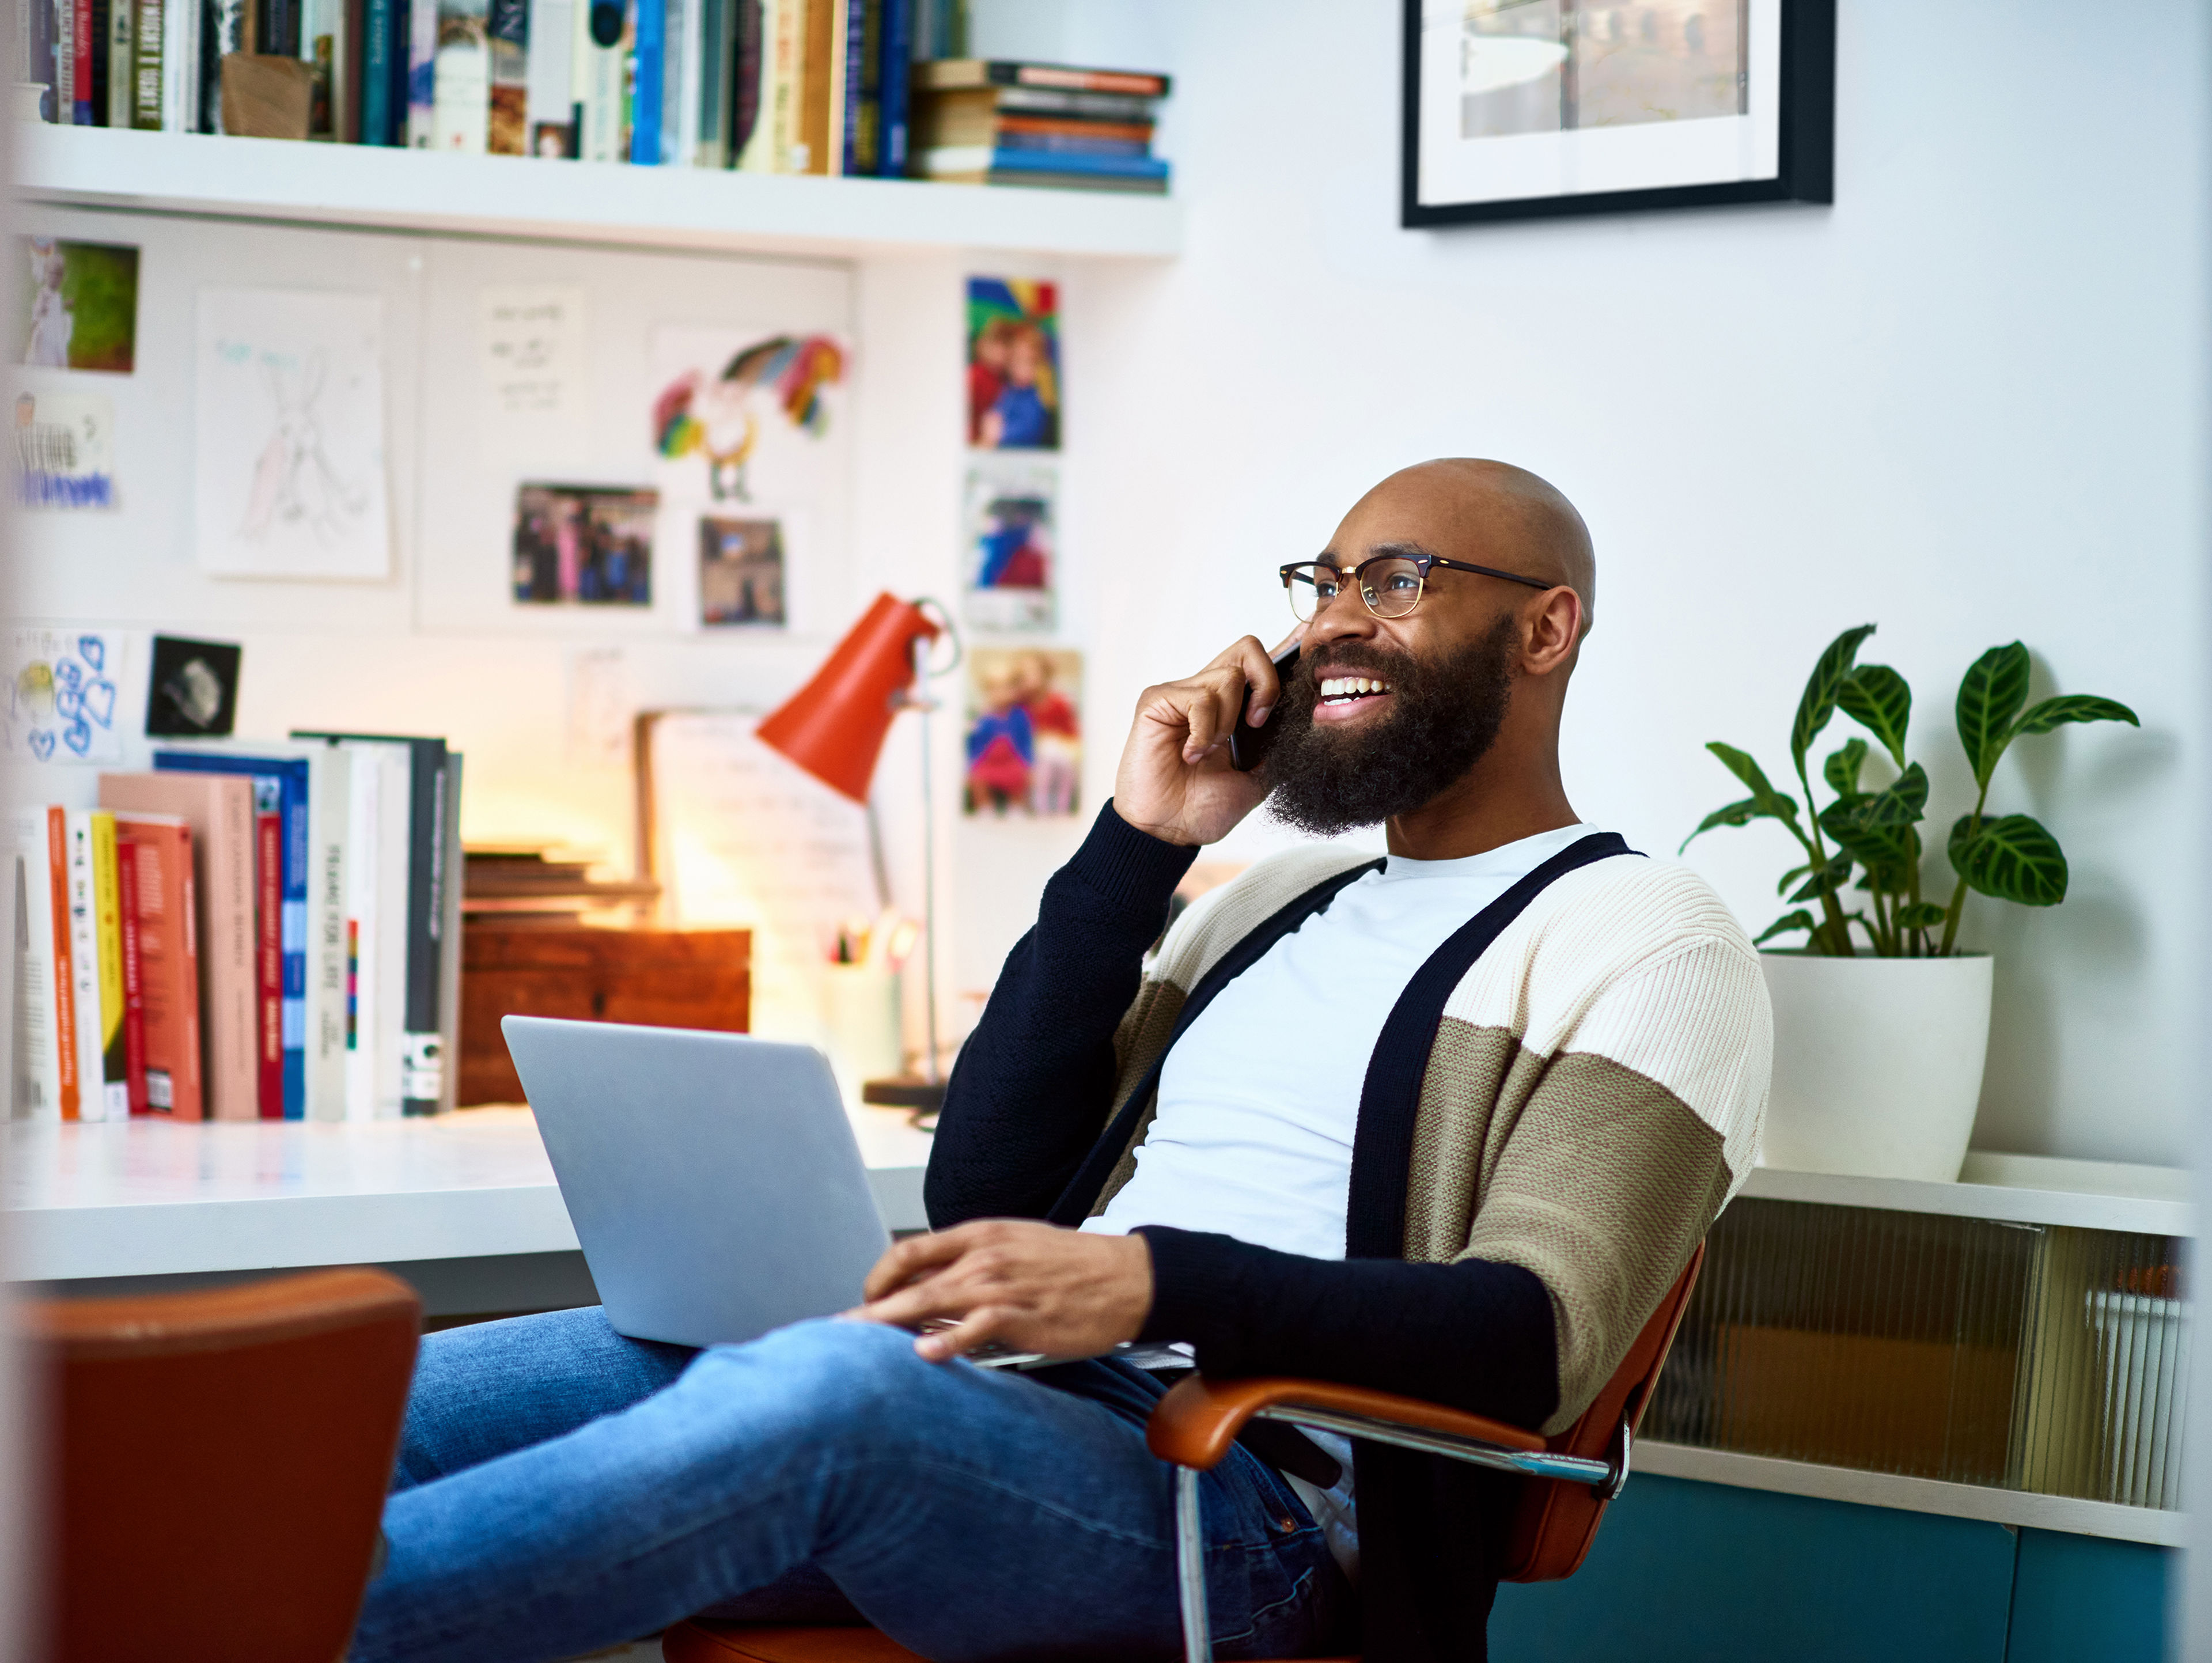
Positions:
{"x": 1446, "y": 1123}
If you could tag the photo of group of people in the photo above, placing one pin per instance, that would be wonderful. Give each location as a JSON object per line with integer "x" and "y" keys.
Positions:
{"x": 588, "y": 545}
{"x": 740, "y": 571}
{"x": 1024, "y": 741}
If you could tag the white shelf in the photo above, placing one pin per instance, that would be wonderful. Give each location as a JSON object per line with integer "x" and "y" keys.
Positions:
{"x": 1843, "y": 1484}
{"x": 360, "y": 184}
{"x": 2015, "y": 1189}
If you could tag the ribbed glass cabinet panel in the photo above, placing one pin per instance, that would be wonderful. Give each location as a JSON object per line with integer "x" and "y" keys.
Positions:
{"x": 2021, "y": 1355}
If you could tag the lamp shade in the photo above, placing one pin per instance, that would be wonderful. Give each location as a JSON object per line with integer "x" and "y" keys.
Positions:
{"x": 833, "y": 726}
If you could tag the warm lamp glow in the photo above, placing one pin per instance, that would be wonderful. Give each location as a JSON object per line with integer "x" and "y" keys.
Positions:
{"x": 833, "y": 726}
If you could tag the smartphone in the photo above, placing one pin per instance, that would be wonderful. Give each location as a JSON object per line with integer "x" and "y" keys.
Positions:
{"x": 1248, "y": 745}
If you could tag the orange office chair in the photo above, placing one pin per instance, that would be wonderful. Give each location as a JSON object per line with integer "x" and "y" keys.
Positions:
{"x": 1571, "y": 1478}
{"x": 220, "y": 1465}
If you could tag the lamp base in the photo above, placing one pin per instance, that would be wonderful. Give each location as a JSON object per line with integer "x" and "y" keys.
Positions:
{"x": 907, "y": 1091}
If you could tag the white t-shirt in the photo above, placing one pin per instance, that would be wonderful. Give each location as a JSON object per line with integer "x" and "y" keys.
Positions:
{"x": 1260, "y": 1099}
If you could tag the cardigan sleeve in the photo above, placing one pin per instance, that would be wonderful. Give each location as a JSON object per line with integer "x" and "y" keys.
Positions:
{"x": 1033, "y": 1084}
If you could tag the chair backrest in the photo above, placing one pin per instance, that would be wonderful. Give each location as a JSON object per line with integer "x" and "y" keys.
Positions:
{"x": 221, "y": 1464}
{"x": 1555, "y": 1521}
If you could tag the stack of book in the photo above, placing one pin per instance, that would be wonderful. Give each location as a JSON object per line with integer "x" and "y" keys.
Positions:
{"x": 765, "y": 86}
{"x": 251, "y": 930}
{"x": 986, "y": 123}
{"x": 528, "y": 885}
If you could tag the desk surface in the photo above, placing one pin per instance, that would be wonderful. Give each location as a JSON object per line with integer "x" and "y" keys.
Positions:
{"x": 150, "y": 1197}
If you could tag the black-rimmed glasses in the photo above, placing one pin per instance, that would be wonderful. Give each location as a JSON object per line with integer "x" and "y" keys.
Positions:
{"x": 1391, "y": 584}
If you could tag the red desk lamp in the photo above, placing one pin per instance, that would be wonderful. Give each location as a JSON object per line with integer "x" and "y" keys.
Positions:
{"x": 835, "y": 726}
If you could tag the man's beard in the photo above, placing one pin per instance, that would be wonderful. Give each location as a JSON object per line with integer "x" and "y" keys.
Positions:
{"x": 1327, "y": 779}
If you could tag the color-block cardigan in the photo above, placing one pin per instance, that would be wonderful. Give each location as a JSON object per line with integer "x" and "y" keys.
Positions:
{"x": 1591, "y": 1100}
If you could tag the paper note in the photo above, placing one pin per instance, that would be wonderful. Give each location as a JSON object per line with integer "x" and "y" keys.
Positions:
{"x": 531, "y": 343}
{"x": 289, "y": 471}
{"x": 744, "y": 837}
{"x": 60, "y": 703}
{"x": 64, "y": 449}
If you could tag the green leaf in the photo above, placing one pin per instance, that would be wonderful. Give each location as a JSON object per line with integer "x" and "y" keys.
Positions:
{"x": 1832, "y": 879}
{"x": 1742, "y": 764}
{"x": 1819, "y": 703}
{"x": 1919, "y": 915}
{"x": 1800, "y": 919}
{"x": 1878, "y": 700}
{"x": 2011, "y": 858}
{"x": 1989, "y": 698}
{"x": 1735, "y": 814}
{"x": 2072, "y": 708}
{"x": 1841, "y": 770}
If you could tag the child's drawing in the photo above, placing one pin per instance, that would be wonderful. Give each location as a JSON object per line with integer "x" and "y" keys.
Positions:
{"x": 290, "y": 435}
{"x": 60, "y": 699}
{"x": 744, "y": 411}
{"x": 295, "y": 482}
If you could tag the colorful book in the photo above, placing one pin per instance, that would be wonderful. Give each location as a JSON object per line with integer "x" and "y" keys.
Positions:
{"x": 461, "y": 77}
{"x": 284, "y": 786}
{"x": 45, "y": 1060}
{"x": 821, "y": 71}
{"x": 861, "y": 102}
{"x": 107, "y": 941}
{"x": 87, "y": 49}
{"x": 996, "y": 164}
{"x": 160, "y": 846}
{"x": 81, "y": 900}
{"x": 946, "y": 73}
{"x": 507, "y": 119}
{"x": 647, "y": 85}
{"x": 418, "y": 50}
{"x": 268, "y": 948}
{"x": 219, "y": 810}
{"x": 134, "y": 977}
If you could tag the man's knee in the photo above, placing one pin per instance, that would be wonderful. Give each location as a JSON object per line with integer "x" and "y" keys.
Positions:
{"x": 828, "y": 1379}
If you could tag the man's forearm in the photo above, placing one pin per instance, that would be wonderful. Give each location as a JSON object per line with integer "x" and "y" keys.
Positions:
{"x": 1472, "y": 1335}
{"x": 1035, "y": 1082}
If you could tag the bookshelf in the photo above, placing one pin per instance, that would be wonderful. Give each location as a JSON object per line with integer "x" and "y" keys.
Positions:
{"x": 349, "y": 185}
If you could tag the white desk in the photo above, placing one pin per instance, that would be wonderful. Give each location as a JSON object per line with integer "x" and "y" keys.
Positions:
{"x": 464, "y": 1204}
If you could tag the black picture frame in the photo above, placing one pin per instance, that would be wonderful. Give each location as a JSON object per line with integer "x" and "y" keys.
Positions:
{"x": 1807, "y": 140}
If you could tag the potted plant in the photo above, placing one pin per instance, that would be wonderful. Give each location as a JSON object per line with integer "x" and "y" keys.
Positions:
{"x": 1882, "y": 1020}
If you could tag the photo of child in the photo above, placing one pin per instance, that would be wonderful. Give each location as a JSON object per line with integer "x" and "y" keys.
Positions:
{"x": 1009, "y": 520}
{"x": 79, "y": 309}
{"x": 1013, "y": 364}
{"x": 1024, "y": 742}
{"x": 740, "y": 571}
{"x": 587, "y": 545}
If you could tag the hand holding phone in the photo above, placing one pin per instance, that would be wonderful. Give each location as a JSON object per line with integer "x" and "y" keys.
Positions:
{"x": 1249, "y": 745}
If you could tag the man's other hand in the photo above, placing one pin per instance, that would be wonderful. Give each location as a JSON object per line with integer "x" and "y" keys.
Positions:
{"x": 1175, "y": 781}
{"x": 1030, "y": 1286}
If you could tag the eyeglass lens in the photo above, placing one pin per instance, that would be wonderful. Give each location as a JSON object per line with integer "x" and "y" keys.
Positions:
{"x": 1391, "y": 586}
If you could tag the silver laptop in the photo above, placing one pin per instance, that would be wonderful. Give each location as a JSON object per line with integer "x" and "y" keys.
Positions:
{"x": 712, "y": 1179}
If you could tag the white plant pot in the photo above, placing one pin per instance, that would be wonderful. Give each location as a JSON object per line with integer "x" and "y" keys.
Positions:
{"x": 1877, "y": 1063}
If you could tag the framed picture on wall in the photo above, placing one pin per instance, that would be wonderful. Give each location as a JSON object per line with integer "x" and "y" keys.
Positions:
{"x": 1520, "y": 109}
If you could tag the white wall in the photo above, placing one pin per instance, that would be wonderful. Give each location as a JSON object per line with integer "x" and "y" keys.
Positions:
{"x": 1966, "y": 402}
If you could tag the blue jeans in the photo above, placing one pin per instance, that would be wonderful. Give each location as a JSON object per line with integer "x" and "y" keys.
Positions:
{"x": 561, "y": 1489}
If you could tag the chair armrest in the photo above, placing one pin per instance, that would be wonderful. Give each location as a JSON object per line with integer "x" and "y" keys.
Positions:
{"x": 1198, "y": 1418}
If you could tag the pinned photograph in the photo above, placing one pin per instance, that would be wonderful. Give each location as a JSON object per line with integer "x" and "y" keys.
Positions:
{"x": 584, "y": 545}
{"x": 78, "y": 308}
{"x": 64, "y": 449}
{"x": 1024, "y": 738}
{"x": 1008, "y": 521}
{"x": 740, "y": 571}
{"x": 1013, "y": 364}
{"x": 192, "y": 692}
{"x": 61, "y": 695}
{"x": 735, "y": 404}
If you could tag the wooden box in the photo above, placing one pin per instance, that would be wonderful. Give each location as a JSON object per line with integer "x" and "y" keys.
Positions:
{"x": 658, "y": 978}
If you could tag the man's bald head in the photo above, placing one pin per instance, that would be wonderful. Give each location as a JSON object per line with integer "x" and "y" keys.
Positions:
{"x": 1497, "y": 514}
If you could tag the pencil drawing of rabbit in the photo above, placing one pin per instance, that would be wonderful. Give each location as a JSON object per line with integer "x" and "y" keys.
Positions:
{"x": 294, "y": 483}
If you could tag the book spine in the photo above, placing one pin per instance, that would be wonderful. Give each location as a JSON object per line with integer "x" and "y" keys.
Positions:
{"x": 449, "y": 943}
{"x": 855, "y": 137}
{"x": 130, "y": 920}
{"x": 87, "y": 45}
{"x": 121, "y": 78}
{"x": 602, "y": 39}
{"x": 679, "y": 83}
{"x": 66, "y": 1044}
{"x": 84, "y": 967}
{"x": 107, "y": 922}
{"x": 420, "y": 33}
{"x": 185, "y": 1097}
{"x": 37, "y": 1084}
{"x": 742, "y": 107}
{"x": 297, "y": 859}
{"x": 550, "y": 77}
{"x": 376, "y": 73}
{"x": 269, "y": 959}
{"x": 710, "y": 119}
{"x": 97, "y": 32}
{"x": 326, "y": 990}
{"x": 506, "y": 132}
{"x": 420, "y": 1083}
{"x": 364, "y": 814}
{"x": 148, "y": 77}
{"x": 36, "y": 22}
{"x": 207, "y": 68}
{"x": 319, "y": 47}
{"x": 347, "y": 85}
{"x": 645, "y": 96}
{"x": 65, "y": 15}
{"x": 460, "y": 77}
{"x": 894, "y": 91}
{"x": 175, "y": 16}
